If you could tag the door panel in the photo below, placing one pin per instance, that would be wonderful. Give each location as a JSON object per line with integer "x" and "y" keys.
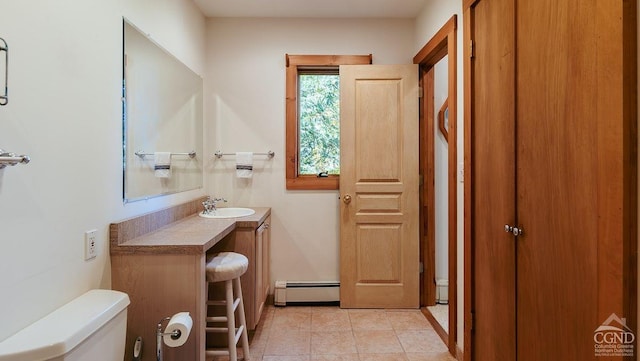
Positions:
{"x": 493, "y": 188}
{"x": 379, "y": 241}
{"x": 557, "y": 181}
{"x": 573, "y": 134}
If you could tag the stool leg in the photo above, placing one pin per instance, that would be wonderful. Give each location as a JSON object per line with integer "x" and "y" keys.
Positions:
{"x": 243, "y": 321}
{"x": 231, "y": 321}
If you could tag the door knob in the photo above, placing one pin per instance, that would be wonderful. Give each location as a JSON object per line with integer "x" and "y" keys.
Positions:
{"x": 346, "y": 199}
{"x": 515, "y": 230}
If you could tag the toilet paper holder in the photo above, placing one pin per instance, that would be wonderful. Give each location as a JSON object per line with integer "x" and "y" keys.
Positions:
{"x": 175, "y": 335}
{"x": 160, "y": 334}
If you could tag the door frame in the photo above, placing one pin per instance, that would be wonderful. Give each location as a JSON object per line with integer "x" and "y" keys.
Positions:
{"x": 443, "y": 43}
{"x": 468, "y": 106}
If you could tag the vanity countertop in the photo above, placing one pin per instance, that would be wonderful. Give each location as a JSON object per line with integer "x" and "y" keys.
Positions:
{"x": 190, "y": 235}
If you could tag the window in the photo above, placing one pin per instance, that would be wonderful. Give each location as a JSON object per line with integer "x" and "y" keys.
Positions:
{"x": 313, "y": 119}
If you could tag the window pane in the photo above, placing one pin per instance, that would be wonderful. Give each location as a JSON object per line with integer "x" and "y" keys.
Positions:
{"x": 319, "y": 122}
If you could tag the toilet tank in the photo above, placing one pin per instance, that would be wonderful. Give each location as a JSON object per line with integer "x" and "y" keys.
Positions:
{"x": 90, "y": 327}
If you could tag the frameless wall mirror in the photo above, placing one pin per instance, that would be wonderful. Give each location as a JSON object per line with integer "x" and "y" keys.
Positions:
{"x": 162, "y": 113}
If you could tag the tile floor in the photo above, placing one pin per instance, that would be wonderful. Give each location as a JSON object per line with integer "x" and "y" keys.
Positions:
{"x": 332, "y": 334}
{"x": 441, "y": 314}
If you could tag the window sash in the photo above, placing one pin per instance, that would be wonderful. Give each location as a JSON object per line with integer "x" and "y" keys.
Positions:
{"x": 296, "y": 64}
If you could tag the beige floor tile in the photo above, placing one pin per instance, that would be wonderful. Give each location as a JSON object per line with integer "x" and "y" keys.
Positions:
{"x": 383, "y": 357}
{"x": 285, "y": 358}
{"x": 292, "y": 309}
{"x": 421, "y": 341}
{"x": 332, "y": 334}
{"x": 254, "y": 356}
{"x": 441, "y": 314}
{"x": 431, "y": 356}
{"x": 259, "y": 336}
{"x": 323, "y": 309}
{"x": 330, "y": 321}
{"x": 369, "y": 320}
{"x": 333, "y": 343}
{"x": 345, "y": 357}
{"x": 408, "y": 320}
{"x": 288, "y": 343}
{"x": 377, "y": 341}
{"x": 291, "y": 321}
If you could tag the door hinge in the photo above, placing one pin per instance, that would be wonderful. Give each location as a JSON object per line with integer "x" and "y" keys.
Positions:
{"x": 471, "y": 320}
{"x": 421, "y": 267}
{"x": 471, "y": 49}
{"x": 421, "y": 180}
{"x": 420, "y": 92}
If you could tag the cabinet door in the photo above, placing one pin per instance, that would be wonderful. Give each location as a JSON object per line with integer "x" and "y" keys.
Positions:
{"x": 259, "y": 267}
{"x": 266, "y": 257}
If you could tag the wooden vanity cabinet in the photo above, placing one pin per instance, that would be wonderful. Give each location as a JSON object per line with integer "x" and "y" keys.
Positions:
{"x": 254, "y": 243}
{"x": 263, "y": 246}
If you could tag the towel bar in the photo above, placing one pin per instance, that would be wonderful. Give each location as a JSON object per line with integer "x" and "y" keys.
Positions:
{"x": 7, "y": 158}
{"x": 142, "y": 154}
{"x": 270, "y": 154}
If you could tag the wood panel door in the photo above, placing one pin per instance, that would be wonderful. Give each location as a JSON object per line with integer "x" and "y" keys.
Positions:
{"x": 552, "y": 107}
{"x": 379, "y": 238}
{"x": 493, "y": 180}
{"x": 570, "y": 174}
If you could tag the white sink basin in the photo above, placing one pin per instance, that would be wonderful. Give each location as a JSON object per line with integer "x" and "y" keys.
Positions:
{"x": 229, "y": 213}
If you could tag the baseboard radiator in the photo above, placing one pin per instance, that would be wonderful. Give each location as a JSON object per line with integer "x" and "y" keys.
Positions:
{"x": 306, "y": 293}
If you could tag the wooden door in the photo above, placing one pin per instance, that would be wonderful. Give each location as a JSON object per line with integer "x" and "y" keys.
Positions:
{"x": 561, "y": 98}
{"x": 570, "y": 174}
{"x": 493, "y": 180}
{"x": 379, "y": 238}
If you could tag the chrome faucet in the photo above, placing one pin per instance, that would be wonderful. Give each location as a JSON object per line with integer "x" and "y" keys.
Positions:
{"x": 210, "y": 205}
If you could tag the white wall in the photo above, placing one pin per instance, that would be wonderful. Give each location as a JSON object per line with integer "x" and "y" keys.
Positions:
{"x": 433, "y": 16}
{"x": 245, "y": 111}
{"x": 64, "y": 111}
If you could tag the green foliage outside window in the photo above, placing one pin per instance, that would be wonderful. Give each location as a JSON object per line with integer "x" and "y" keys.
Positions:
{"x": 319, "y": 122}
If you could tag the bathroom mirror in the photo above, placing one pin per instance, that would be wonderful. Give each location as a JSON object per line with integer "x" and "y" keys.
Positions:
{"x": 162, "y": 112}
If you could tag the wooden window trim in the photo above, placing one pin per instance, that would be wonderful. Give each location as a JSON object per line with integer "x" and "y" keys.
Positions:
{"x": 293, "y": 63}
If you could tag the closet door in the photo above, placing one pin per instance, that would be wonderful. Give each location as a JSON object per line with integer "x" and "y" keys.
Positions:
{"x": 492, "y": 179}
{"x": 553, "y": 136}
{"x": 571, "y": 185}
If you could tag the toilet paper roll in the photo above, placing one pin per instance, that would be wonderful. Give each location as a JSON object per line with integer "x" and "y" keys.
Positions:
{"x": 182, "y": 323}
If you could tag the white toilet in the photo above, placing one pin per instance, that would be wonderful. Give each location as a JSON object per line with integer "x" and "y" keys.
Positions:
{"x": 91, "y": 327}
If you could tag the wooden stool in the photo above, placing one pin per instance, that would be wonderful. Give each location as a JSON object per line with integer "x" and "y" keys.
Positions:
{"x": 228, "y": 267}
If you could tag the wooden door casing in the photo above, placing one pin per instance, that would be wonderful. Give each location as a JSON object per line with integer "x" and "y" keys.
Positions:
{"x": 379, "y": 238}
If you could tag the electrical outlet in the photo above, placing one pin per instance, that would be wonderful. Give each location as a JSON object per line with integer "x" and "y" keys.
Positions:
{"x": 90, "y": 246}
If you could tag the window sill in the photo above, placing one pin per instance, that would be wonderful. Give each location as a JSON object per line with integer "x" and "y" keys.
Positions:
{"x": 313, "y": 183}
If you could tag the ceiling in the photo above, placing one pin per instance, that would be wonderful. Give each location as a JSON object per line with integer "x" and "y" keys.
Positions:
{"x": 311, "y": 8}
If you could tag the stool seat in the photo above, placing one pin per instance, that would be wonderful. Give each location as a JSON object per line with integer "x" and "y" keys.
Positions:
{"x": 226, "y": 266}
